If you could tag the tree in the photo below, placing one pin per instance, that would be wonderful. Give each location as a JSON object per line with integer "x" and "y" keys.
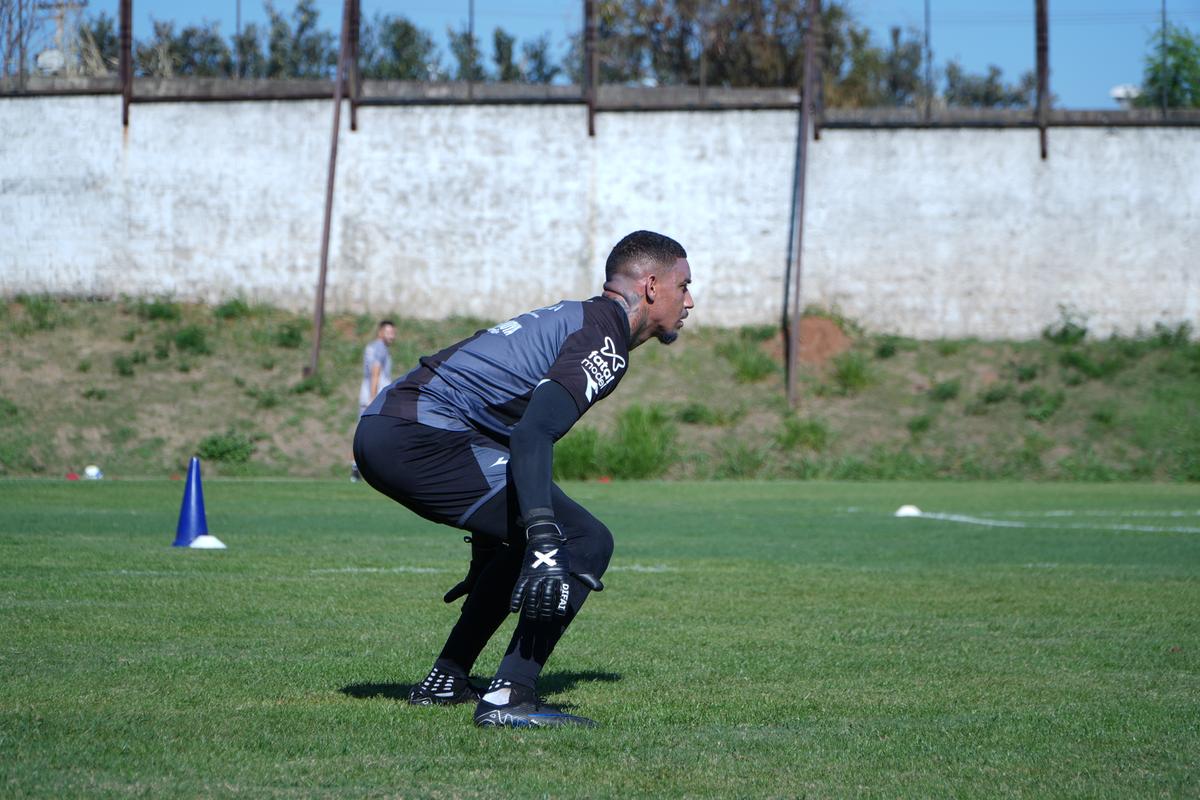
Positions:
{"x": 465, "y": 49}
{"x": 249, "y": 60}
{"x": 99, "y": 45}
{"x": 536, "y": 63}
{"x": 1178, "y": 81}
{"x": 197, "y": 50}
{"x": 988, "y": 91}
{"x": 298, "y": 49}
{"x": 392, "y": 48}
{"x": 20, "y": 22}
{"x": 503, "y": 47}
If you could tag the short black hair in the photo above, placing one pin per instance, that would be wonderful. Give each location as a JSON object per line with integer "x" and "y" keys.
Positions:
{"x": 639, "y": 246}
{"x": 383, "y": 322}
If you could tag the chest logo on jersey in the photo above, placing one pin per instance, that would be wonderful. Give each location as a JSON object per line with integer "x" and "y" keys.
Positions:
{"x": 600, "y": 368}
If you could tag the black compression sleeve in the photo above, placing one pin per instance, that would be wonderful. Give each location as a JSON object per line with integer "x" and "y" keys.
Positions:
{"x": 550, "y": 414}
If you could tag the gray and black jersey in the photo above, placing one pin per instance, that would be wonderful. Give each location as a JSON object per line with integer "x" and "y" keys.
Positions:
{"x": 484, "y": 383}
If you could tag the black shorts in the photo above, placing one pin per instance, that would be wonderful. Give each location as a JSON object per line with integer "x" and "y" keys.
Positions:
{"x": 444, "y": 476}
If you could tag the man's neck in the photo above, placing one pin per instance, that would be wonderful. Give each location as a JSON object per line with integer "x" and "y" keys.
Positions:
{"x": 635, "y": 309}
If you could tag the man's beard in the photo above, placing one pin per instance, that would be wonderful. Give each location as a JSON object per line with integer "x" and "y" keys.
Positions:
{"x": 666, "y": 337}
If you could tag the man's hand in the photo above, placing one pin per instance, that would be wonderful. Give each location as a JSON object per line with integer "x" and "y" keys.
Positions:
{"x": 542, "y": 588}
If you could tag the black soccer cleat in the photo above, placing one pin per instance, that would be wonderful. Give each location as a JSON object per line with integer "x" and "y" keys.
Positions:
{"x": 524, "y": 710}
{"x": 442, "y": 689}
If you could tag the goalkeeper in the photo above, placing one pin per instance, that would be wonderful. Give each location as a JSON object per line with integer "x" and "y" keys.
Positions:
{"x": 466, "y": 439}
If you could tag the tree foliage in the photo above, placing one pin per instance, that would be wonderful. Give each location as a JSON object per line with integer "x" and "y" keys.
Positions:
{"x": 988, "y": 91}
{"x": 393, "y": 48}
{"x": 1178, "y": 80}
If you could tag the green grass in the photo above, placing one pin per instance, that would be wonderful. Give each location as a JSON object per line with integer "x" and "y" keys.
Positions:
{"x": 755, "y": 640}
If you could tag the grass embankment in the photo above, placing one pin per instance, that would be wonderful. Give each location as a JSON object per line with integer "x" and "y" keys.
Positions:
{"x": 755, "y": 640}
{"x": 138, "y": 387}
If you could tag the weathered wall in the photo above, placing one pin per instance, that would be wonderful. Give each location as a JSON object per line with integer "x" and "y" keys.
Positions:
{"x": 487, "y": 210}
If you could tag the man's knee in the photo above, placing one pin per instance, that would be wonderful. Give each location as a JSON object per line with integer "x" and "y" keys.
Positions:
{"x": 591, "y": 544}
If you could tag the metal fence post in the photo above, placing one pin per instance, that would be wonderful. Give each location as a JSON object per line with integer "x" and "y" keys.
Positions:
{"x": 1043, "y": 74}
{"x": 126, "y": 65}
{"x": 590, "y": 67}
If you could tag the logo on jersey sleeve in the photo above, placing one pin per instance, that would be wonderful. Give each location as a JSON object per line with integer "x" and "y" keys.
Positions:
{"x": 506, "y": 328}
{"x": 600, "y": 368}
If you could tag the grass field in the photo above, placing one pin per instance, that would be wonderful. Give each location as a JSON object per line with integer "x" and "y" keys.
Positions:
{"x": 756, "y": 640}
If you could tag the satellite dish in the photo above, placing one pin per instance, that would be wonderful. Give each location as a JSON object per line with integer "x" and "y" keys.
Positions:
{"x": 51, "y": 61}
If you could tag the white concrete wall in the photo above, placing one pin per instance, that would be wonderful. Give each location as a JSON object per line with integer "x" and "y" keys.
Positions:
{"x": 489, "y": 210}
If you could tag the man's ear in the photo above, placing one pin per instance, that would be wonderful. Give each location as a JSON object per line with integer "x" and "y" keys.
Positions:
{"x": 651, "y": 287}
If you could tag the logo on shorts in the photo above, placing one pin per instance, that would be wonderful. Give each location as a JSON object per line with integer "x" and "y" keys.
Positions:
{"x": 600, "y": 368}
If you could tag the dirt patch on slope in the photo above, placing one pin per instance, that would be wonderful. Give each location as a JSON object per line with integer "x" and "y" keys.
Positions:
{"x": 820, "y": 340}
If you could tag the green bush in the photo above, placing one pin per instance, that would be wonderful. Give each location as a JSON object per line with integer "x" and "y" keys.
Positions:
{"x": 750, "y": 363}
{"x": 811, "y": 434}
{"x": 949, "y": 347}
{"x": 643, "y": 445}
{"x": 739, "y": 461}
{"x": 161, "y": 309}
{"x": 123, "y": 365}
{"x": 1105, "y": 415}
{"x": 759, "y": 333}
{"x": 1071, "y": 328}
{"x": 946, "y": 390}
{"x": 236, "y": 308}
{"x": 577, "y": 455}
{"x": 886, "y": 348}
{"x": 1039, "y": 404}
{"x": 84, "y": 365}
{"x": 9, "y": 411}
{"x": 996, "y": 393}
{"x": 697, "y": 413}
{"x": 1165, "y": 336}
{"x": 230, "y": 447}
{"x": 94, "y": 393}
{"x": 1024, "y": 373}
{"x": 851, "y": 372}
{"x": 42, "y": 311}
{"x": 1085, "y": 365}
{"x": 192, "y": 339}
{"x": 316, "y": 384}
{"x": 289, "y": 334}
{"x": 920, "y": 424}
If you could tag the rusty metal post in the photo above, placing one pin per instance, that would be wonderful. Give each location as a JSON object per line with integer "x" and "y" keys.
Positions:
{"x": 1043, "y": 73}
{"x": 319, "y": 308}
{"x": 928, "y": 68}
{"x": 806, "y": 104}
{"x": 474, "y": 50}
{"x": 590, "y": 63}
{"x": 126, "y": 64}
{"x": 355, "y": 77}
{"x": 1163, "y": 81}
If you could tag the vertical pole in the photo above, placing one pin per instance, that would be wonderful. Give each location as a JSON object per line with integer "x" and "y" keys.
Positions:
{"x": 806, "y": 103}
{"x": 1164, "y": 57}
{"x": 590, "y": 76}
{"x": 928, "y": 69}
{"x": 1043, "y": 73}
{"x": 319, "y": 309}
{"x": 21, "y": 54}
{"x": 237, "y": 47}
{"x": 126, "y": 65}
{"x": 471, "y": 43}
{"x": 355, "y": 77}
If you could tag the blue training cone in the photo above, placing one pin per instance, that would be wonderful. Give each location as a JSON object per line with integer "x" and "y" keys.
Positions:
{"x": 192, "y": 530}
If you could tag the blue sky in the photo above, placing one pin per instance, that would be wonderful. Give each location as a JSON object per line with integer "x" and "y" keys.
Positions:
{"x": 1094, "y": 44}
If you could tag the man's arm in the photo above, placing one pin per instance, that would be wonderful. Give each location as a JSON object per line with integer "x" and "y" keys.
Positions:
{"x": 376, "y": 371}
{"x": 550, "y": 414}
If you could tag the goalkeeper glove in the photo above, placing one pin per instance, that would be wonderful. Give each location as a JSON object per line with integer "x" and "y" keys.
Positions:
{"x": 542, "y": 588}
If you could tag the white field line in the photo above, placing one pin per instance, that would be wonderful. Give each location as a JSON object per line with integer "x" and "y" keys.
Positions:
{"x": 1001, "y": 523}
{"x": 377, "y": 570}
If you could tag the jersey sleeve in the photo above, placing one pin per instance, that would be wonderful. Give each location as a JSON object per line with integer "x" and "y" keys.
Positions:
{"x": 590, "y": 363}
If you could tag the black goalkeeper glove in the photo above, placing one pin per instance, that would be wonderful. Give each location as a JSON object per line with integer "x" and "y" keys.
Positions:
{"x": 542, "y": 587}
{"x": 483, "y": 550}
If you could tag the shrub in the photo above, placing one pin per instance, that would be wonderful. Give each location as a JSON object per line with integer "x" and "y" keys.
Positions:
{"x": 230, "y": 447}
{"x": 84, "y": 366}
{"x": 948, "y": 347}
{"x": 123, "y": 365}
{"x": 1039, "y": 404}
{"x": 1105, "y": 416}
{"x": 886, "y": 348}
{"x": 996, "y": 393}
{"x": 160, "y": 308}
{"x": 1167, "y": 337}
{"x": 130, "y": 334}
{"x": 1024, "y": 373}
{"x": 236, "y": 308}
{"x": 192, "y": 339}
{"x": 289, "y": 334}
{"x": 749, "y": 362}
{"x": 1069, "y": 330}
{"x": 42, "y": 310}
{"x": 758, "y": 333}
{"x": 811, "y": 434}
{"x": 315, "y": 383}
{"x": 920, "y": 424}
{"x": 8, "y": 411}
{"x": 850, "y": 372}
{"x": 94, "y": 393}
{"x": 1084, "y": 364}
{"x": 577, "y": 455}
{"x": 946, "y": 390}
{"x": 740, "y": 461}
{"x": 643, "y": 445}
